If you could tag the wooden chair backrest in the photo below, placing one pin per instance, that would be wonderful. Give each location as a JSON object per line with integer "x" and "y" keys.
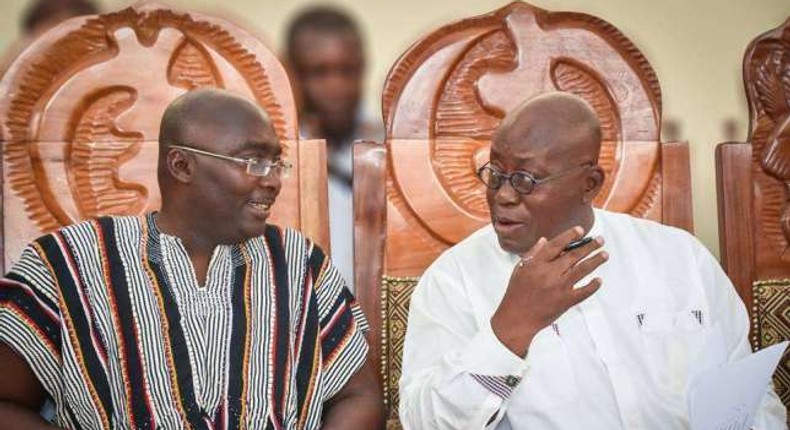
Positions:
{"x": 753, "y": 184}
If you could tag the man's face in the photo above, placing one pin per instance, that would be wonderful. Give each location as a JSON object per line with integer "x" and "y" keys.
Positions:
{"x": 551, "y": 208}
{"x": 231, "y": 204}
{"x": 329, "y": 69}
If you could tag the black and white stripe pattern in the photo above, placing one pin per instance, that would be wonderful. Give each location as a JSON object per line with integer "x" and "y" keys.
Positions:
{"x": 502, "y": 386}
{"x": 109, "y": 315}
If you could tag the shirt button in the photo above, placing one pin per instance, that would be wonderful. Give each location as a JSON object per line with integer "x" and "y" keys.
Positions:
{"x": 511, "y": 381}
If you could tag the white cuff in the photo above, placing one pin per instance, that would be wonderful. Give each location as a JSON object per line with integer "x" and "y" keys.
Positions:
{"x": 486, "y": 355}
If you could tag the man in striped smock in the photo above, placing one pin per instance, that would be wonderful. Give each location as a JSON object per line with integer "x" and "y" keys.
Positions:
{"x": 199, "y": 316}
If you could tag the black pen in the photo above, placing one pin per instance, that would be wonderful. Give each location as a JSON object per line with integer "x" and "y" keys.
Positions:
{"x": 578, "y": 243}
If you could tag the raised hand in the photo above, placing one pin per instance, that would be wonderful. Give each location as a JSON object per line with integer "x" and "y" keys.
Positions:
{"x": 541, "y": 287}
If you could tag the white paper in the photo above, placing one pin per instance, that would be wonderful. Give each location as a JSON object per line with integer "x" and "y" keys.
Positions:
{"x": 727, "y": 397}
{"x": 713, "y": 356}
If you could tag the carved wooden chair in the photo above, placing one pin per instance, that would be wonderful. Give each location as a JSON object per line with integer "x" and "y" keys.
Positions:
{"x": 81, "y": 109}
{"x": 753, "y": 182}
{"x": 418, "y": 194}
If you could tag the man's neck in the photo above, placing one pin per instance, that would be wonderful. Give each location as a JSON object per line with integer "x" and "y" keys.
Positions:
{"x": 196, "y": 242}
{"x": 587, "y": 220}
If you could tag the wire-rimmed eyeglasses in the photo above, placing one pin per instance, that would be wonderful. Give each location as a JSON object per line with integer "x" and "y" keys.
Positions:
{"x": 255, "y": 166}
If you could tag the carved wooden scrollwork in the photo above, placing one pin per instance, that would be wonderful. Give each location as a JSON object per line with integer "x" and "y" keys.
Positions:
{"x": 448, "y": 92}
{"x": 767, "y": 79}
{"x": 82, "y": 106}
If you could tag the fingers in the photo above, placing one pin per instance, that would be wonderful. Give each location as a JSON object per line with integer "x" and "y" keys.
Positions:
{"x": 579, "y": 271}
{"x": 581, "y": 294}
{"x": 555, "y": 246}
{"x": 529, "y": 255}
{"x": 570, "y": 258}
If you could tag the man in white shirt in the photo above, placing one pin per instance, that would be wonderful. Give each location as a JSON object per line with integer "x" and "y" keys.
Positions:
{"x": 511, "y": 330}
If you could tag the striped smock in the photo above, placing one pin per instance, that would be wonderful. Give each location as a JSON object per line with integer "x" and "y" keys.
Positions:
{"x": 109, "y": 316}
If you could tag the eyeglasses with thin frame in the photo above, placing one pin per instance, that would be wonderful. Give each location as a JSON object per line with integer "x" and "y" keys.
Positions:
{"x": 255, "y": 166}
{"x": 521, "y": 181}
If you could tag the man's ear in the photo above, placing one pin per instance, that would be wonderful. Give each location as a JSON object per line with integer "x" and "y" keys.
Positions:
{"x": 593, "y": 183}
{"x": 181, "y": 166}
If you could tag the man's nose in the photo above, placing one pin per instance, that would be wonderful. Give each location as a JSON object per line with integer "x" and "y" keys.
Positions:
{"x": 272, "y": 181}
{"x": 506, "y": 194}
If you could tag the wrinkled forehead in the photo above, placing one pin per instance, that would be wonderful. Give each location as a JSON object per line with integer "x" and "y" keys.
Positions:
{"x": 528, "y": 141}
{"x": 545, "y": 137}
{"x": 235, "y": 131}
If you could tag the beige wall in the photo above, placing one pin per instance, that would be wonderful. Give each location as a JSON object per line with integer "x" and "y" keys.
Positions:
{"x": 695, "y": 46}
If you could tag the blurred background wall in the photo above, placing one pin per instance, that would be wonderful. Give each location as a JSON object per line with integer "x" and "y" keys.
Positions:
{"x": 695, "y": 46}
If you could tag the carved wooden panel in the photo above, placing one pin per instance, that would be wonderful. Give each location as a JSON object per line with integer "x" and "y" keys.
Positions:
{"x": 766, "y": 70}
{"x": 450, "y": 90}
{"x": 81, "y": 109}
{"x": 753, "y": 184}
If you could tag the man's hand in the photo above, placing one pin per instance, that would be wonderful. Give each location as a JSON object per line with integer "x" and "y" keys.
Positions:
{"x": 358, "y": 405}
{"x": 541, "y": 288}
{"x": 21, "y": 395}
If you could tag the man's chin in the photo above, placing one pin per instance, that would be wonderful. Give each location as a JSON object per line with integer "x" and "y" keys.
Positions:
{"x": 512, "y": 244}
{"x": 249, "y": 231}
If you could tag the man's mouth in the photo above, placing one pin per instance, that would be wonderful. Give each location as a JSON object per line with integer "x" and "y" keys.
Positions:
{"x": 506, "y": 225}
{"x": 261, "y": 206}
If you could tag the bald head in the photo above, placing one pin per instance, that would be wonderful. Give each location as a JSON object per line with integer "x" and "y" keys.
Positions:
{"x": 213, "y": 120}
{"x": 206, "y": 119}
{"x": 188, "y": 116}
{"x": 555, "y": 126}
{"x": 209, "y": 141}
{"x": 555, "y": 139}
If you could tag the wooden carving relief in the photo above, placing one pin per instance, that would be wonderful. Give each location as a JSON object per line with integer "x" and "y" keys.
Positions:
{"x": 767, "y": 79}
{"x": 82, "y": 105}
{"x": 448, "y": 92}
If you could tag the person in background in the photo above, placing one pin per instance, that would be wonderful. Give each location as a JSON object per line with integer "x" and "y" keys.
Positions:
{"x": 325, "y": 52}
{"x": 40, "y": 16}
{"x": 44, "y": 14}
